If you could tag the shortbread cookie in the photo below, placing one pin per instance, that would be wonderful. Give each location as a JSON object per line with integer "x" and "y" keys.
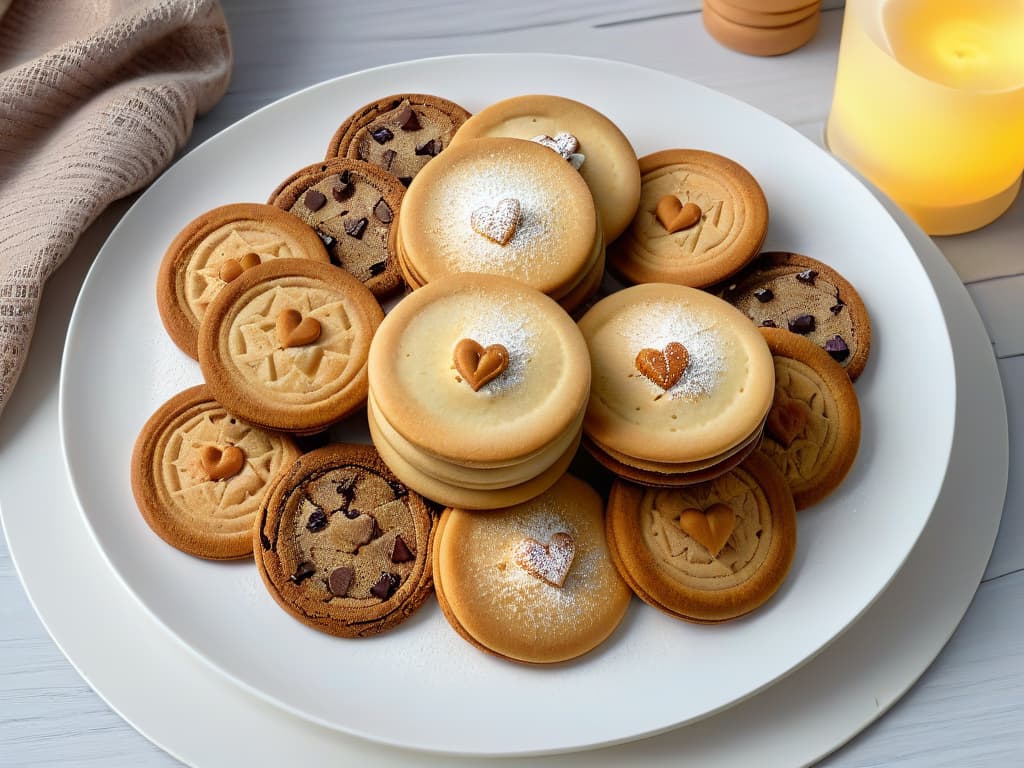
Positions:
{"x": 352, "y": 206}
{"x": 503, "y": 207}
{"x": 198, "y": 475}
{"x": 813, "y": 429}
{"x": 531, "y": 583}
{"x": 709, "y": 552}
{"x": 214, "y": 249}
{"x": 702, "y": 217}
{"x": 399, "y": 133}
{"x": 800, "y": 294}
{"x": 580, "y": 134}
{"x": 678, "y": 375}
{"x": 285, "y": 345}
{"x": 343, "y": 545}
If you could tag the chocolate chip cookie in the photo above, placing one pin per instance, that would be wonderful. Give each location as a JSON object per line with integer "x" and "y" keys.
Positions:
{"x": 342, "y": 545}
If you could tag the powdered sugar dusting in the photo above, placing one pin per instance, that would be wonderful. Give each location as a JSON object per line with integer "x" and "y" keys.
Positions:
{"x": 655, "y": 325}
{"x": 502, "y": 323}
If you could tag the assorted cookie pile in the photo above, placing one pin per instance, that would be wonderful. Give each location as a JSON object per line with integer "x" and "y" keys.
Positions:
{"x": 715, "y": 392}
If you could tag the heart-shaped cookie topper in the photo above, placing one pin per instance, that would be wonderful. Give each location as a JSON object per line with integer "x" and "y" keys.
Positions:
{"x": 565, "y": 144}
{"x": 551, "y": 562}
{"x": 665, "y": 366}
{"x": 675, "y": 216}
{"x": 711, "y": 528}
{"x": 787, "y": 418}
{"x": 293, "y": 330}
{"x": 232, "y": 268}
{"x": 220, "y": 463}
{"x": 498, "y": 222}
{"x": 478, "y": 365}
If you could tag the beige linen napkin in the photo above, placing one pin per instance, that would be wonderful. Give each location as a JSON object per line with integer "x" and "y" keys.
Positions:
{"x": 96, "y": 96}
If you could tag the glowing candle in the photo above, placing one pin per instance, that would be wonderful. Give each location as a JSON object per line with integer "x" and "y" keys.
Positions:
{"x": 929, "y": 105}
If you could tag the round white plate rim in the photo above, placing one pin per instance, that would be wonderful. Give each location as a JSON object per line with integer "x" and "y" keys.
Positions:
{"x": 303, "y": 712}
{"x": 118, "y": 684}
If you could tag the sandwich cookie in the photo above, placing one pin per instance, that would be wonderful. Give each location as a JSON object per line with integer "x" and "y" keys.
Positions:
{"x": 682, "y": 382}
{"x": 399, "y": 134}
{"x": 505, "y": 207}
{"x": 813, "y": 429}
{"x": 198, "y": 475}
{"x": 285, "y": 345}
{"x": 534, "y": 582}
{"x": 584, "y": 137}
{"x": 214, "y": 249}
{"x": 757, "y": 32}
{"x": 702, "y": 217}
{"x": 800, "y": 294}
{"x": 478, "y": 386}
{"x": 352, "y": 206}
{"x": 342, "y": 545}
{"x": 710, "y": 552}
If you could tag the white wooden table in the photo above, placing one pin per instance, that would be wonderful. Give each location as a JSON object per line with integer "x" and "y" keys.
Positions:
{"x": 967, "y": 710}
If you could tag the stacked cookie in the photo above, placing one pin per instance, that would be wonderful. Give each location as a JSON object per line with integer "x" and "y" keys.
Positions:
{"x": 682, "y": 384}
{"x": 478, "y": 385}
{"x": 762, "y": 27}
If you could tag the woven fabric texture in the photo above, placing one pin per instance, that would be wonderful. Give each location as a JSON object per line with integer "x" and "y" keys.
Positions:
{"x": 96, "y": 97}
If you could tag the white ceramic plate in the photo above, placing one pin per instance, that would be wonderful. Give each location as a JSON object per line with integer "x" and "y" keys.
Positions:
{"x": 421, "y": 686}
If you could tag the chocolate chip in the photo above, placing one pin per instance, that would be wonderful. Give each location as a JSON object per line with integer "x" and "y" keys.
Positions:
{"x": 837, "y": 348}
{"x": 340, "y": 580}
{"x": 802, "y": 324}
{"x": 378, "y": 268}
{"x": 401, "y": 552}
{"x": 315, "y": 200}
{"x": 386, "y": 585}
{"x": 407, "y": 119}
{"x": 730, "y": 292}
{"x": 377, "y": 531}
{"x": 352, "y": 514}
{"x": 382, "y": 135}
{"x": 764, "y": 295}
{"x": 405, "y": 180}
{"x": 356, "y": 227}
{"x": 346, "y": 487}
{"x": 769, "y": 323}
{"x": 317, "y": 520}
{"x": 388, "y": 157}
{"x": 383, "y": 212}
{"x": 429, "y": 148}
{"x": 328, "y": 240}
{"x": 807, "y": 277}
{"x": 303, "y": 572}
{"x": 343, "y": 190}
{"x": 836, "y": 308}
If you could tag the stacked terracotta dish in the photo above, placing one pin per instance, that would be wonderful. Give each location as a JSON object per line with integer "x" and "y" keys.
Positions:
{"x": 762, "y": 27}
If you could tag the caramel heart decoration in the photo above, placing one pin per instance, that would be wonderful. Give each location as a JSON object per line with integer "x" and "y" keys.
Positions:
{"x": 498, "y": 222}
{"x": 711, "y": 528}
{"x": 478, "y": 365}
{"x": 232, "y": 268}
{"x": 664, "y": 367}
{"x": 787, "y": 419}
{"x": 293, "y": 330}
{"x": 675, "y": 216}
{"x": 220, "y": 463}
{"x": 551, "y": 562}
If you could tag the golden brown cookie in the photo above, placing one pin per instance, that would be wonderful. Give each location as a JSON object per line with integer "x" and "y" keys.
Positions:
{"x": 702, "y": 217}
{"x": 534, "y": 582}
{"x": 285, "y": 345}
{"x": 812, "y": 433}
{"x": 198, "y": 475}
{"x": 342, "y": 545}
{"x": 214, "y": 249}
{"x": 500, "y": 206}
{"x": 352, "y": 206}
{"x": 399, "y": 133}
{"x": 798, "y": 293}
{"x": 709, "y": 552}
{"x": 736, "y": 13}
{"x": 579, "y": 133}
{"x": 759, "y": 40}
